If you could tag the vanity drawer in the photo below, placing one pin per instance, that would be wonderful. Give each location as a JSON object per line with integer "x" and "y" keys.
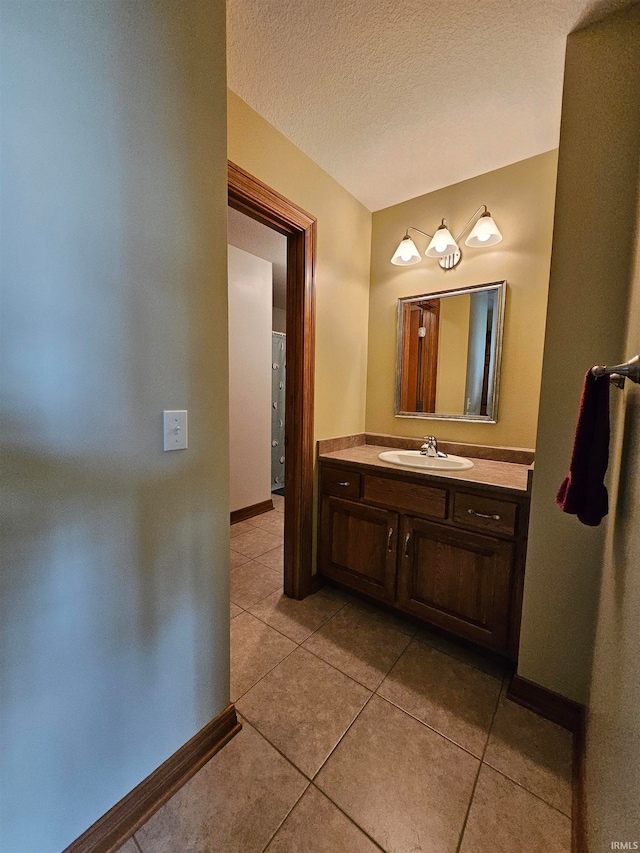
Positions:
{"x": 410, "y": 497}
{"x": 488, "y": 514}
{"x": 341, "y": 482}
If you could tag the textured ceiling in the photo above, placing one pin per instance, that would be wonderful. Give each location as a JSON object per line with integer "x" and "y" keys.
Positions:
{"x": 396, "y": 99}
{"x": 260, "y": 240}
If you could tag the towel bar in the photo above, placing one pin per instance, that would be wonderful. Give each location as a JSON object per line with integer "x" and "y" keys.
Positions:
{"x": 619, "y": 372}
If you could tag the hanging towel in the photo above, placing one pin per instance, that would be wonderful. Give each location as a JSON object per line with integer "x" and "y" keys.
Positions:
{"x": 583, "y": 492}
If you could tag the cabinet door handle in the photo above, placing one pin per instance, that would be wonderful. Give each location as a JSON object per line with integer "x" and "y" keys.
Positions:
{"x": 344, "y": 483}
{"x": 407, "y": 539}
{"x": 483, "y": 515}
{"x": 389, "y": 538}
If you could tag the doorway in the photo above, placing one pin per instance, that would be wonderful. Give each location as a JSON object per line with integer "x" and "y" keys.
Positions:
{"x": 258, "y": 201}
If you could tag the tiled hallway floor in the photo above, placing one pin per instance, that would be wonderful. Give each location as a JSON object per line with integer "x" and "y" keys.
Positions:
{"x": 362, "y": 733}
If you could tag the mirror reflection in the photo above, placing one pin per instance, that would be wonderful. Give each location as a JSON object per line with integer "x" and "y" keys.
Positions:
{"x": 449, "y": 349}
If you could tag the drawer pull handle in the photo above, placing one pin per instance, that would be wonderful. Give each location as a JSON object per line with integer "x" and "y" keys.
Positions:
{"x": 389, "y": 538}
{"x": 483, "y": 515}
{"x": 344, "y": 483}
{"x": 407, "y": 539}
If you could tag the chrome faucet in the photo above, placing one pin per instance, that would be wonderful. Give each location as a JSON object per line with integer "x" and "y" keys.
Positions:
{"x": 430, "y": 448}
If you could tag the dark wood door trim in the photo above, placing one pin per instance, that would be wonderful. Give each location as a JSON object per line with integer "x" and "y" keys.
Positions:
{"x": 250, "y": 196}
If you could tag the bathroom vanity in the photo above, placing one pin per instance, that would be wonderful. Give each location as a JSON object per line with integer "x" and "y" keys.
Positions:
{"x": 447, "y": 547}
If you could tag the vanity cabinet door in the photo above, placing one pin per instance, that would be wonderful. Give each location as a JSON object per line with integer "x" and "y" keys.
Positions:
{"x": 358, "y": 546}
{"x": 458, "y": 580}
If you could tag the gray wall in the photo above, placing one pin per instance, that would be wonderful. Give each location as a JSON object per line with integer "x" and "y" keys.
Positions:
{"x": 115, "y": 621}
{"x": 595, "y": 219}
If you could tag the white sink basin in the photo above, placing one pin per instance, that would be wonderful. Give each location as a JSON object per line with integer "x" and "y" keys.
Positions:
{"x": 414, "y": 459}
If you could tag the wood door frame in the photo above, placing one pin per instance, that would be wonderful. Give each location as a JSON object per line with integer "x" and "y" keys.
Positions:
{"x": 254, "y": 198}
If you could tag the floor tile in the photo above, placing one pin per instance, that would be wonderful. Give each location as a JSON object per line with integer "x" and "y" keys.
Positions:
{"x": 267, "y": 517}
{"x": 252, "y": 582}
{"x": 358, "y": 645}
{"x": 129, "y": 847}
{"x": 316, "y": 826}
{"x": 405, "y": 785}
{"x": 303, "y": 707}
{"x": 275, "y": 525}
{"x": 273, "y": 559}
{"x": 296, "y": 619}
{"x": 255, "y": 542}
{"x": 278, "y": 502}
{"x": 241, "y": 527}
{"x": 232, "y": 805}
{"x": 255, "y": 649}
{"x": 452, "y": 697}
{"x": 235, "y": 610}
{"x": 393, "y": 620}
{"x": 532, "y": 751}
{"x": 463, "y": 653}
{"x": 236, "y": 560}
{"x": 337, "y": 594}
{"x": 505, "y": 818}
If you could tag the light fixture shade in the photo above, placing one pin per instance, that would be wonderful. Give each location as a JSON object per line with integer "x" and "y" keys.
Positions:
{"x": 406, "y": 254}
{"x": 484, "y": 233}
{"x": 442, "y": 243}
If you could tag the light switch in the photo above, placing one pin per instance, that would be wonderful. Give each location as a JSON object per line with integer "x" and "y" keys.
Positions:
{"x": 175, "y": 430}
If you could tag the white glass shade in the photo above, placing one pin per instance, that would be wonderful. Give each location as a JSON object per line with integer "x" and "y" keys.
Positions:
{"x": 407, "y": 253}
{"x": 442, "y": 243}
{"x": 484, "y": 233}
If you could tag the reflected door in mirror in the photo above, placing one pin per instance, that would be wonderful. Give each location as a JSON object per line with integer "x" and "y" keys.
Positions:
{"x": 421, "y": 321}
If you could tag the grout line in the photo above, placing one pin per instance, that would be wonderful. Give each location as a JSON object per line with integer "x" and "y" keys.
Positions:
{"x": 431, "y": 728}
{"x": 256, "y": 559}
{"x": 475, "y": 783}
{"x": 269, "y": 625}
{"x": 348, "y": 816}
{"x": 136, "y": 843}
{"x": 339, "y": 741}
{"x": 466, "y": 662}
{"x": 380, "y": 619}
{"x": 277, "y": 829}
{"x": 235, "y": 701}
{"x": 528, "y": 790}
{"x": 259, "y": 601}
{"x": 337, "y": 669}
{"x": 310, "y": 779}
{"x": 277, "y": 748}
{"x": 503, "y": 693}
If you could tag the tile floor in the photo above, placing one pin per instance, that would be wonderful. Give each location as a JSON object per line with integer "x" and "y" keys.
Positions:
{"x": 362, "y": 733}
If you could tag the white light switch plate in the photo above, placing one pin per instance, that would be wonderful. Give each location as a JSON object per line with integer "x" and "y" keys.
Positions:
{"x": 175, "y": 430}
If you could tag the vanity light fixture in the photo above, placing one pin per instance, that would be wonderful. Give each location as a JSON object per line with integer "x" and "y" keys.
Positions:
{"x": 444, "y": 246}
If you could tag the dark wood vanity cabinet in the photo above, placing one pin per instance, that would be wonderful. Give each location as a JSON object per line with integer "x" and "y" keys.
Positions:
{"x": 358, "y": 546}
{"x": 458, "y": 580}
{"x": 452, "y": 555}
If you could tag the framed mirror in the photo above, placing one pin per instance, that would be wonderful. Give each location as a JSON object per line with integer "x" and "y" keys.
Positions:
{"x": 449, "y": 353}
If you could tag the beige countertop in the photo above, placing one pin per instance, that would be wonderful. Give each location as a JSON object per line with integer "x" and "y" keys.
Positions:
{"x": 503, "y": 476}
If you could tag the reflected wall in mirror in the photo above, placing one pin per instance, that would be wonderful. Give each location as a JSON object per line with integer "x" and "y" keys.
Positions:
{"x": 449, "y": 352}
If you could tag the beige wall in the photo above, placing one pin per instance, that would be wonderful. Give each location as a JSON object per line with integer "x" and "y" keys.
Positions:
{"x": 115, "y": 576}
{"x": 342, "y": 273}
{"x": 250, "y": 321}
{"x": 453, "y": 346}
{"x": 587, "y": 316}
{"x": 521, "y": 198}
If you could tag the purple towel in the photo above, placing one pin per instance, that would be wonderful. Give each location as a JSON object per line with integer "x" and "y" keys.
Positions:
{"x": 583, "y": 492}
